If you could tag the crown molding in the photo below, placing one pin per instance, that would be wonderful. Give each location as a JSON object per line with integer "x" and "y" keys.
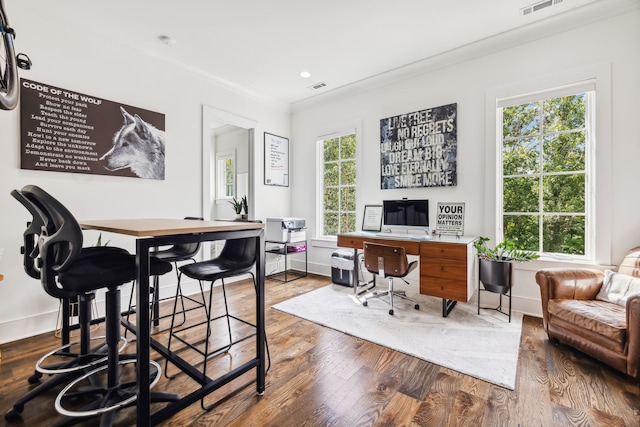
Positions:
{"x": 557, "y": 24}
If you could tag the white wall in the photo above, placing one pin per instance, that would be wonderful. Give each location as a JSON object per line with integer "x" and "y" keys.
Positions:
{"x": 466, "y": 78}
{"x": 84, "y": 63}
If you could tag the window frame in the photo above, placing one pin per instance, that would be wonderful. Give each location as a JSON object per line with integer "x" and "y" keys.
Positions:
{"x": 320, "y": 210}
{"x": 587, "y": 88}
{"x": 603, "y": 185}
{"x": 221, "y": 182}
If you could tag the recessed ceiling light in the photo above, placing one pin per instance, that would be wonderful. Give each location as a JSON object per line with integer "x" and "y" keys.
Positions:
{"x": 305, "y": 74}
{"x": 169, "y": 41}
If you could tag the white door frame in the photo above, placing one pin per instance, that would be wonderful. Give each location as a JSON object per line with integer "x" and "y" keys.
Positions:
{"x": 212, "y": 118}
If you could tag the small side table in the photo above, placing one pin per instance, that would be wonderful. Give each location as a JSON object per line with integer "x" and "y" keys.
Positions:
{"x": 286, "y": 250}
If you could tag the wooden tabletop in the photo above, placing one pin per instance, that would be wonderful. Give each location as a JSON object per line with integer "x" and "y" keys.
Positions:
{"x": 165, "y": 226}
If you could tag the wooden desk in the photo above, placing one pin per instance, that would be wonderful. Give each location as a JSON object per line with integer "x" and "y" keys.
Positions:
{"x": 356, "y": 241}
{"x": 155, "y": 232}
{"x": 447, "y": 264}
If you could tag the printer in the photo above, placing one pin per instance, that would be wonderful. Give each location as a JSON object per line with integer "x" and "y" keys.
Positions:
{"x": 286, "y": 230}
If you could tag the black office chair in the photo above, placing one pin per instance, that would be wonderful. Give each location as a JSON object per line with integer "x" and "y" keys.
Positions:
{"x": 388, "y": 261}
{"x": 69, "y": 360}
{"x": 238, "y": 256}
{"x": 174, "y": 254}
{"x": 65, "y": 271}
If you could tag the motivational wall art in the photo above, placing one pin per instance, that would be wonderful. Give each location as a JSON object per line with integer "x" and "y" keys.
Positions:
{"x": 66, "y": 131}
{"x": 419, "y": 149}
{"x": 450, "y": 219}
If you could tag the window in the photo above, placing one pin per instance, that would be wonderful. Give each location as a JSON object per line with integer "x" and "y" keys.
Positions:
{"x": 226, "y": 169}
{"x": 338, "y": 177}
{"x": 546, "y": 148}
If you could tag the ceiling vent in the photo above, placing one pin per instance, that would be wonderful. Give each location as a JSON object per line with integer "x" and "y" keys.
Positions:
{"x": 318, "y": 86}
{"x": 538, "y": 6}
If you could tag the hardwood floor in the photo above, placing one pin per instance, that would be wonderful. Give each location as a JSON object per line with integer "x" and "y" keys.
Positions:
{"x": 321, "y": 377}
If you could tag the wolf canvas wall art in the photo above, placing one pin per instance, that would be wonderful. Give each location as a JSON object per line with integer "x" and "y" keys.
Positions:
{"x": 138, "y": 146}
{"x": 66, "y": 131}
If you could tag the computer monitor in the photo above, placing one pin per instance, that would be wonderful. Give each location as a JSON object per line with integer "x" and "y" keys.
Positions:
{"x": 406, "y": 213}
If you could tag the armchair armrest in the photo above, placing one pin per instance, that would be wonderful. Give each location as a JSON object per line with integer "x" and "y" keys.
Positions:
{"x": 633, "y": 335}
{"x": 567, "y": 283}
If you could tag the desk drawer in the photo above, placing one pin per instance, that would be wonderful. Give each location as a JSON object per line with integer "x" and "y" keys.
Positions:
{"x": 411, "y": 247}
{"x": 354, "y": 242}
{"x": 443, "y": 250}
{"x": 443, "y": 268}
{"x": 444, "y": 288}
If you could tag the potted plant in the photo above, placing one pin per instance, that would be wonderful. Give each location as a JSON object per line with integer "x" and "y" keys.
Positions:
{"x": 239, "y": 206}
{"x": 99, "y": 242}
{"x": 245, "y": 207}
{"x": 495, "y": 263}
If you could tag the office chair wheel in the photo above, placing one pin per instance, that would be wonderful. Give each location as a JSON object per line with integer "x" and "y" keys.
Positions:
{"x": 14, "y": 413}
{"x": 391, "y": 312}
{"x": 35, "y": 378}
{"x": 365, "y": 303}
{"x": 417, "y": 306}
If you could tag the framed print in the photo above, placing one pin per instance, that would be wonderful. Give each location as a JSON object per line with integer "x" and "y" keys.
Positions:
{"x": 450, "y": 219}
{"x": 420, "y": 149}
{"x": 66, "y": 131}
{"x": 276, "y": 160}
{"x": 372, "y": 219}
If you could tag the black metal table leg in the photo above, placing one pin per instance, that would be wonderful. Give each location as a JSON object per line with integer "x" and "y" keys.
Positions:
{"x": 143, "y": 331}
{"x": 447, "y": 306}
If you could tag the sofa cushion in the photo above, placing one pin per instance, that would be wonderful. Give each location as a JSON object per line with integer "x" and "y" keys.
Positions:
{"x": 603, "y": 318}
{"x": 616, "y": 288}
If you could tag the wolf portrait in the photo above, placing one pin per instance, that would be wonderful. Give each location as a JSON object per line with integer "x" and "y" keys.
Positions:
{"x": 138, "y": 146}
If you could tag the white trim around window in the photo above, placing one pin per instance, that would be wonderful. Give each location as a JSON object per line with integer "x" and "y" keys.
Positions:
{"x": 222, "y": 185}
{"x": 516, "y": 93}
{"x": 328, "y": 133}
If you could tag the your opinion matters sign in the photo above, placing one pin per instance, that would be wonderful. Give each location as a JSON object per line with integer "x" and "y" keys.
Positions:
{"x": 419, "y": 149}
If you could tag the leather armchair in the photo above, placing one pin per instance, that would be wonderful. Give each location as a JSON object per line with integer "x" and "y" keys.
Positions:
{"x": 572, "y": 314}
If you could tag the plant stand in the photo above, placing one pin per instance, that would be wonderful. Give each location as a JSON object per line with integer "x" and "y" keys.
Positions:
{"x": 495, "y": 277}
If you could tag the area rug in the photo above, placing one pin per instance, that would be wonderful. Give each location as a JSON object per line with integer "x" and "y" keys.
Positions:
{"x": 484, "y": 346}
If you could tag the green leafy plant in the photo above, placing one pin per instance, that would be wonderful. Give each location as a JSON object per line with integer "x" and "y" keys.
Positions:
{"x": 237, "y": 205}
{"x": 240, "y": 205}
{"x": 99, "y": 242}
{"x": 245, "y": 205}
{"x": 503, "y": 251}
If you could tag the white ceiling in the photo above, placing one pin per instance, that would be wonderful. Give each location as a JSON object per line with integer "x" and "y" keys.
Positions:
{"x": 261, "y": 46}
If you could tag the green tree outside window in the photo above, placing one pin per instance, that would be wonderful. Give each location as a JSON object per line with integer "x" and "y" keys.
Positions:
{"x": 544, "y": 174}
{"x": 339, "y": 185}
